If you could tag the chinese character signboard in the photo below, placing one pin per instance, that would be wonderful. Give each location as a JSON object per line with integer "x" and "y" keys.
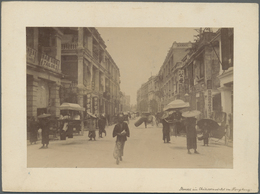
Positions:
{"x": 209, "y": 107}
{"x": 31, "y": 54}
{"x": 95, "y": 105}
{"x": 88, "y": 108}
{"x": 181, "y": 76}
{"x": 50, "y": 63}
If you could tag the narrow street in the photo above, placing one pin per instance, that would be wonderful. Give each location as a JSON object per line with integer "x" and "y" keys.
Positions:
{"x": 144, "y": 149}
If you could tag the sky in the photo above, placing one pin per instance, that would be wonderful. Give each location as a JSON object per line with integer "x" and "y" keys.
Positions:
{"x": 140, "y": 52}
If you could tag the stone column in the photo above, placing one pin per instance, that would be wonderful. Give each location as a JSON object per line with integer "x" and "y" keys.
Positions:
{"x": 96, "y": 80}
{"x": 35, "y": 38}
{"x": 226, "y": 99}
{"x": 55, "y": 99}
{"x": 80, "y": 38}
{"x": 32, "y": 87}
{"x": 90, "y": 43}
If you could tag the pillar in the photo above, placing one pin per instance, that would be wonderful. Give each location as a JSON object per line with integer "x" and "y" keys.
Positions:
{"x": 35, "y": 38}
{"x": 55, "y": 99}
{"x": 80, "y": 69}
{"x": 32, "y": 85}
{"x": 90, "y": 43}
{"x": 80, "y": 38}
{"x": 96, "y": 80}
{"x": 80, "y": 102}
{"x": 226, "y": 99}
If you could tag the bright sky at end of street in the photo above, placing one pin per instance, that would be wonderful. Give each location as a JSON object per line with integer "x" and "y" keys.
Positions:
{"x": 140, "y": 52}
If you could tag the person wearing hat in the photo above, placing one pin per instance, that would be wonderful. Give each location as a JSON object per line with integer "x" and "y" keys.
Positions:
{"x": 121, "y": 132}
{"x": 44, "y": 124}
{"x": 191, "y": 134}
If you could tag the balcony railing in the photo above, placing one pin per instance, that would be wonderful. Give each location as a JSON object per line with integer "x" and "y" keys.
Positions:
{"x": 49, "y": 62}
{"x": 69, "y": 46}
{"x": 43, "y": 60}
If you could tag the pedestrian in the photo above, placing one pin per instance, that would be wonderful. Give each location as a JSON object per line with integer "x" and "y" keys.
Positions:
{"x": 102, "y": 125}
{"x": 92, "y": 129}
{"x": 121, "y": 132}
{"x": 166, "y": 128}
{"x": 44, "y": 124}
{"x": 177, "y": 116}
{"x": 33, "y": 130}
{"x": 205, "y": 132}
{"x": 191, "y": 134}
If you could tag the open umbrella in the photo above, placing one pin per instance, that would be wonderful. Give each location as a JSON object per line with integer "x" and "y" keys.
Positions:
{"x": 44, "y": 116}
{"x": 92, "y": 115}
{"x": 191, "y": 113}
{"x": 71, "y": 106}
{"x": 176, "y": 104}
{"x": 209, "y": 123}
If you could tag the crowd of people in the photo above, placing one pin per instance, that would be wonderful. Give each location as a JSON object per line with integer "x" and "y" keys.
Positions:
{"x": 172, "y": 125}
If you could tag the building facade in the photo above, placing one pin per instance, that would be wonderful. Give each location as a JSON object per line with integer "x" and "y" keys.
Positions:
{"x": 200, "y": 73}
{"x": 70, "y": 65}
{"x": 43, "y": 71}
{"x": 91, "y": 77}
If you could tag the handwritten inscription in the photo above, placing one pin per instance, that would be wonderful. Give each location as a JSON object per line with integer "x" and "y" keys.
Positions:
{"x": 233, "y": 189}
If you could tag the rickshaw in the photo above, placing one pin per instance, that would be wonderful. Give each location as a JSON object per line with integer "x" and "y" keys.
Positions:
{"x": 70, "y": 120}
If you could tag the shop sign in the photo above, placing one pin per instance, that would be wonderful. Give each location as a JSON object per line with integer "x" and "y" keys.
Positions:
{"x": 198, "y": 87}
{"x": 181, "y": 76}
{"x": 95, "y": 104}
{"x": 209, "y": 103}
{"x": 31, "y": 54}
{"x": 209, "y": 84}
{"x": 88, "y": 102}
{"x": 50, "y": 63}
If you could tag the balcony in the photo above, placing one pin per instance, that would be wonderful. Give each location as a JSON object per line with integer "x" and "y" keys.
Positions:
{"x": 69, "y": 46}
{"x": 42, "y": 60}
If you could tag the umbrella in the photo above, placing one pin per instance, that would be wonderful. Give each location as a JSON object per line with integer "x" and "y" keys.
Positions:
{"x": 176, "y": 104}
{"x": 191, "y": 113}
{"x": 165, "y": 115}
{"x": 92, "y": 115}
{"x": 44, "y": 116}
{"x": 71, "y": 106}
{"x": 209, "y": 123}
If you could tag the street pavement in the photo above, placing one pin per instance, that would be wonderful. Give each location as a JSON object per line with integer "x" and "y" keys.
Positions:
{"x": 144, "y": 149}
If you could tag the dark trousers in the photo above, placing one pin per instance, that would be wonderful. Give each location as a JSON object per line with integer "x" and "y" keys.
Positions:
{"x": 206, "y": 140}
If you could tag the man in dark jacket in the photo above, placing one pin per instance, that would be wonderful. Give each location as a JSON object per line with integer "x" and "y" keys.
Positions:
{"x": 121, "y": 132}
{"x": 102, "y": 125}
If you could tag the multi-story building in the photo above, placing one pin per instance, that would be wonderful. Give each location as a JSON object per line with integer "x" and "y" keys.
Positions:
{"x": 43, "y": 70}
{"x": 142, "y": 98}
{"x": 125, "y": 103}
{"x": 91, "y": 77}
{"x": 147, "y": 100}
{"x": 170, "y": 78}
{"x": 70, "y": 65}
{"x": 208, "y": 76}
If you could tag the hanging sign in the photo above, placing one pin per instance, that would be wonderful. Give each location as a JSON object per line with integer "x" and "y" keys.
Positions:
{"x": 49, "y": 63}
{"x": 209, "y": 103}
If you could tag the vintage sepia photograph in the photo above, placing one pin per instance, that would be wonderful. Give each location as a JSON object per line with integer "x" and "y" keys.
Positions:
{"x": 129, "y": 97}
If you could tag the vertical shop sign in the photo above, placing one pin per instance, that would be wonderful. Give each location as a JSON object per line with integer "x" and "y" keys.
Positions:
{"x": 209, "y": 103}
{"x": 181, "y": 76}
{"x": 95, "y": 105}
{"x": 88, "y": 102}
